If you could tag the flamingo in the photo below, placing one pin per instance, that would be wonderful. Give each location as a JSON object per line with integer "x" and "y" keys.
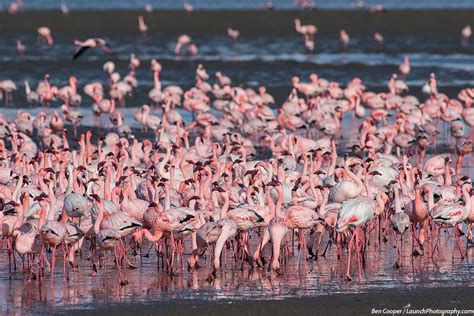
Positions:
{"x": 91, "y": 43}
{"x": 344, "y": 37}
{"x": 347, "y": 189}
{"x": 405, "y": 66}
{"x": 233, "y": 34}
{"x": 355, "y": 212}
{"x": 44, "y": 35}
{"x": 277, "y": 229}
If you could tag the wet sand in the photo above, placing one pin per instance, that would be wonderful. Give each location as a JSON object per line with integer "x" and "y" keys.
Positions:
{"x": 338, "y": 304}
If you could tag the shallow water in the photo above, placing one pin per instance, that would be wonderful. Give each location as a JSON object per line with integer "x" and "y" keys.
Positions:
{"x": 268, "y": 51}
{"x": 151, "y": 283}
{"x": 251, "y": 4}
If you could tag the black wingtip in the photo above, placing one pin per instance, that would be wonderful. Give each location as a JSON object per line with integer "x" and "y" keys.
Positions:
{"x": 187, "y": 218}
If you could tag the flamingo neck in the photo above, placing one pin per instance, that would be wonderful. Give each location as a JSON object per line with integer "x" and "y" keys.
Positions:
{"x": 168, "y": 197}
{"x": 271, "y": 204}
{"x": 161, "y": 167}
{"x": 294, "y": 198}
{"x": 19, "y": 185}
{"x": 250, "y": 189}
{"x": 447, "y": 175}
{"x": 100, "y": 217}
{"x": 430, "y": 200}
{"x": 19, "y": 217}
{"x": 156, "y": 236}
{"x": 128, "y": 194}
{"x": 322, "y": 209}
{"x": 353, "y": 176}
{"x": 279, "y": 203}
{"x": 366, "y": 184}
{"x": 52, "y": 204}
{"x": 225, "y": 207}
{"x": 77, "y": 187}
{"x": 107, "y": 192}
{"x": 64, "y": 217}
{"x": 41, "y": 219}
{"x": 419, "y": 209}
{"x": 468, "y": 203}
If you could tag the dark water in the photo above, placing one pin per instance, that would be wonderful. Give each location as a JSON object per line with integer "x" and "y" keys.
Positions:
{"x": 269, "y": 51}
{"x": 239, "y": 4}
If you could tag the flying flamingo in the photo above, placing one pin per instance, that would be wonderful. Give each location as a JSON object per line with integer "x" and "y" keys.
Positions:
{"x": 91, "y": 43}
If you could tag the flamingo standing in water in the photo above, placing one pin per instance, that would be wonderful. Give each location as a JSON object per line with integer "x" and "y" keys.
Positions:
{"x": 74, "y": 117}
{"x": 344, "y": 37}
{"x": 182, "y": 41}
{"x": 187, "y": 6}
{"x": 466, "y": 32}
{"x": 277, "y": 228}
{"x": 405, "y": 66}
{"x": 306, "y": 30}
{"x": 378, "y": 38}
{"x": 20, "y": 48}
{"x": 44, "y": 35}
{"x": 109, "y": 236}
{"x": 7, "y": 87}
{"x": 142, "y": 27}
{"x": 27, "y": 237}
{"x": 215, "y": 233}
{"x": 64, "y": 9}
{"x": 400, "y": 221}
{"x": 233, "y": 34}
{"x": 452, "y": 215}
{"x": 357, "y": 212}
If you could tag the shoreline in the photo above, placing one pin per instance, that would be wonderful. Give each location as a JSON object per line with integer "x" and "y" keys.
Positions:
{"x": 339, "y": 304}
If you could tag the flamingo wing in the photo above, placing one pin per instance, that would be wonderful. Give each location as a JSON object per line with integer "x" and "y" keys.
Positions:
{"x": 106, "y": 48}
{"x": 79, "y": 51}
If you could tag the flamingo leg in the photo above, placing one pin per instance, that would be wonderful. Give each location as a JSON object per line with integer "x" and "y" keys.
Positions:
{"x": 458, "y": 242}
{"x": 53, "y": 260}
{"x": 173, "y": 249}
{"x": 263, "y": 242}
{"x": 349, "y": 250}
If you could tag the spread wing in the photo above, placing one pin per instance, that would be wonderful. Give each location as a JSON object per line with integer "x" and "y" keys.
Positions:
{"x": 106, "y": 48}
{"x": 80, "y": 51}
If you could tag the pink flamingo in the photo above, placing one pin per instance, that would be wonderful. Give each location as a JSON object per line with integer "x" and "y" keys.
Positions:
{"x": 44, "y": 35}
